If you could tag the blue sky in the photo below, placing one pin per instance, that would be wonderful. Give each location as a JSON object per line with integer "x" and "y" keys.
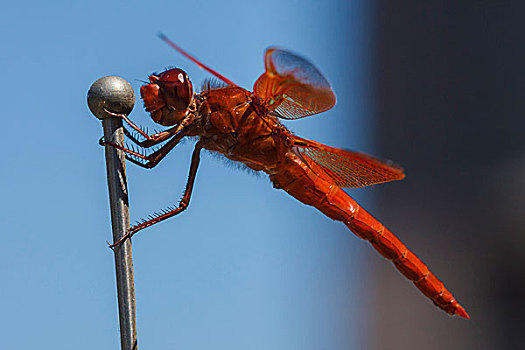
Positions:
{"x": 246, "y": 266}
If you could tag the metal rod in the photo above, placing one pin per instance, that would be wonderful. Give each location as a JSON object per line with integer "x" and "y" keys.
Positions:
{"x": 118, "y": 198}
{"x": 115, "y": 94}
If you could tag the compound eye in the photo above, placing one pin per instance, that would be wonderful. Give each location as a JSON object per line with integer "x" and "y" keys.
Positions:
{"x": 176, "y": 88}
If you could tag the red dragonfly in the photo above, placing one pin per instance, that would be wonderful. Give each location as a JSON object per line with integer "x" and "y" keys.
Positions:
{"x": 244, "y": 127}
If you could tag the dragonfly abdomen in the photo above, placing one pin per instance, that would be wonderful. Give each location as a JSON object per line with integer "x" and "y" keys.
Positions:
{"x": 312, "y": 188}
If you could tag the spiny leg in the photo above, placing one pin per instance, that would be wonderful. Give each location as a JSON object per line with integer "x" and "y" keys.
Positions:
{"x": 159, "y": 137}
{"x": 151, "y": 140}
{"x": 183, "y": 204}
{"x": 152, "y": 159}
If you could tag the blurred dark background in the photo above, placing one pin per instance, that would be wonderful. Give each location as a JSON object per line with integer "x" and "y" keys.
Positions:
{"x": 449, "y": 86}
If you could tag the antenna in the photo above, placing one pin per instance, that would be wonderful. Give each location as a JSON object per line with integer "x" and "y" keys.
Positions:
{"x": 200, "y": 64}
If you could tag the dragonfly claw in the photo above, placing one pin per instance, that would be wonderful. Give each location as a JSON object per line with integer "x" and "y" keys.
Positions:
{"x": 119, "y": 242}
{"x": 113, "y": 114}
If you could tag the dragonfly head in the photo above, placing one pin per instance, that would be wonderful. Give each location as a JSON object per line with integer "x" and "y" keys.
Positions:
{"x": 168, "y": 96}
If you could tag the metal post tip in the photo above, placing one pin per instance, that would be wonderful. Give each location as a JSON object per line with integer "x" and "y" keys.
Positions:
{"x": 110, "y": 93}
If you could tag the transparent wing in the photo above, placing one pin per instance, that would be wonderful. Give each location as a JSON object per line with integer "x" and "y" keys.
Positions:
{"x": 292, "y": 87}
{"x": 349, "y": 169}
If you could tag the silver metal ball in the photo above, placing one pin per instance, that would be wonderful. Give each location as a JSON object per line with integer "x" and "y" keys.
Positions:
{"x": 112, "y": 93}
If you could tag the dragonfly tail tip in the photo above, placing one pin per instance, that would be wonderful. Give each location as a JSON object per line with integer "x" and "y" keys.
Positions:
{"x": 460, "y": 311}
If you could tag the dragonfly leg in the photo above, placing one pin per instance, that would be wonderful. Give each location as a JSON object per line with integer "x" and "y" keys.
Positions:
{"x": 176, "y": 133}
{"x": 151, "y": 160}
{"x": 153, "y": 139}
{"x": 183, "y": 204}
